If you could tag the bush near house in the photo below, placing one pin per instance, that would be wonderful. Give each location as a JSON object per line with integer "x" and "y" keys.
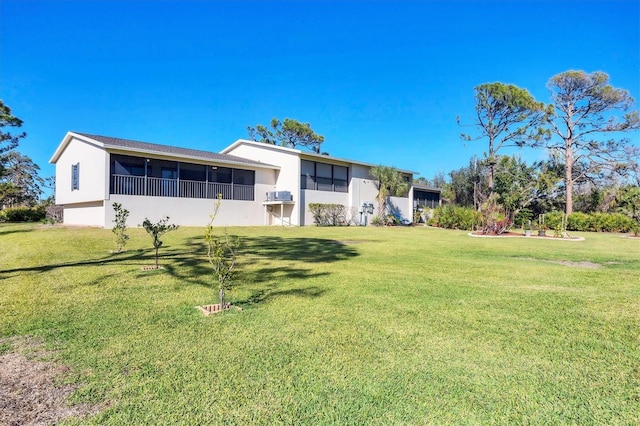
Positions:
{"x": 328, "y": 214}
{"x": 22, "y": 214}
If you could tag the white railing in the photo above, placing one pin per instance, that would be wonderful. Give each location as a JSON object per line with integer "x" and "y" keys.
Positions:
{"x": 160, "y": 187}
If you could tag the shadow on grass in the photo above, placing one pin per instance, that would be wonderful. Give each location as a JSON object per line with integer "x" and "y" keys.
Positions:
{"x": 8, "y": 230}
{"x": 271, "y": 292}
{"x": 190, "y": 265}
{"x": 126, "y": 256}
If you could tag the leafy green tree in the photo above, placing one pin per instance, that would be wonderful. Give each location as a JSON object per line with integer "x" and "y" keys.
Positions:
{"x": 20, "y": 184}
{"x": 120, "y": 226}
{"x": 469, "y": 184}
{"x": 516, "y": 184}
{"x": 390, "y": 182}
{"x": 156, "y": 230}
{"x": 585, "y": 108}
{"x": 8, "y": 141}
{"x": 506, "y": 115}
{"x": 290, "y": 133}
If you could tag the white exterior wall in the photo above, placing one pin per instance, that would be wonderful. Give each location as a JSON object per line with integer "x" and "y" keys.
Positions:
{"x": 404, "y": 205}
{"x": 85, "y": 214}
{"x": 93, "y": 173}
{"x": 287, "y": 178}
{"x": 186, "y": 211}
{"x": 310, "y": 196}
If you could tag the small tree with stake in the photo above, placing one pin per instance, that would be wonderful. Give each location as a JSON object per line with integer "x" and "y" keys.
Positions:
{"x": 221, "y": 253}
{"x": 120, "y": 226}
{"x": 156, "y": 230}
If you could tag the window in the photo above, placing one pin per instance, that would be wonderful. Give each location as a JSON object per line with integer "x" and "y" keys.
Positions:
{"x": 340, "y": 179}
{"x": 75, "y": 176}
{"x": 308, "y": 174}
{"x": 323, "y": 177}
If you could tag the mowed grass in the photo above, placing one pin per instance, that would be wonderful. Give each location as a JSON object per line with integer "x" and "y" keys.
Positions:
{"x": 338, "y": 326}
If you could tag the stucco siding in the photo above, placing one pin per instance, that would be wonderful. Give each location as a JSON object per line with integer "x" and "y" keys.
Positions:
{"x": 92, "y": 164}
{"x": 186, "y": 211}
{"x": 84, "y": 214}
{"x": 286, "y": 179}
{"x": 324, "y": 197}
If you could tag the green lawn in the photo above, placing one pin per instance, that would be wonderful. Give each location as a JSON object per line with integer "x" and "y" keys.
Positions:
{"x": 338, "y": 326}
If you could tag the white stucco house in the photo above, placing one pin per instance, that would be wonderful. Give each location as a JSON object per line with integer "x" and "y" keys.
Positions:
{"x": 260, "y": 184}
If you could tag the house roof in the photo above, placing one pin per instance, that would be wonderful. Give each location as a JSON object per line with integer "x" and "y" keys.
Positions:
{"x": 108, "y": 142}
{"x": 426, "y": 188}
{"x": 303, "y": 154}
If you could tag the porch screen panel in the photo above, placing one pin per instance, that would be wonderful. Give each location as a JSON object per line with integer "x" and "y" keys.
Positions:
{"x": 243, "y": 184}
{"x": 220, "y": 174}
{"x": 193, "y": 178}
{"x": 127, "y": 175}
{"x": 162, "y": 178}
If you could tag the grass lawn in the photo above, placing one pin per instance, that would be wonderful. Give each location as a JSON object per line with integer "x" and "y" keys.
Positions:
{"x": 338, "y": 326}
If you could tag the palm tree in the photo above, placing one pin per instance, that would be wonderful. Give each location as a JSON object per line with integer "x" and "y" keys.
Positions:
{"x": 390, "y": 182}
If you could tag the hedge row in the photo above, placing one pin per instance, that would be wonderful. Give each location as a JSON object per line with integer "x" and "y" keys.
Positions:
{"x": 22, "y": 214}
{"x": 453, "y": 217}
{"x": 592, "y": 222}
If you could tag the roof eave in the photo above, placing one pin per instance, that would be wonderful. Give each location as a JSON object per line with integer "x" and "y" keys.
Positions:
{"x": 191, "y": 157}
{"x": 65, "y": 141}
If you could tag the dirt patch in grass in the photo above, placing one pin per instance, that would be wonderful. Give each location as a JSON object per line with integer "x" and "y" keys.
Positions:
{"x": 32, "y": 391}
{"x": 350, "y": 242}
{"x": 584, "y": 264}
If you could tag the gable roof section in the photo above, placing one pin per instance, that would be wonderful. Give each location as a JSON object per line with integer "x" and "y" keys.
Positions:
{"x": 304, "y": 154}
{"x": 108, "y": 142}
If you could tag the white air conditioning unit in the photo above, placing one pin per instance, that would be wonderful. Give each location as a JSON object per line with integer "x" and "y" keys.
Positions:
{"x": 284, "y": 196}
{"x": 279, "y": 196}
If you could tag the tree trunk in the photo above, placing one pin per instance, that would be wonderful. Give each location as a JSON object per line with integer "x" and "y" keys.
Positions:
{"x": 221, "y": 294}
{"x": 490, "y": 177}
{"x": 568, "y": 177}
{"x": 156, "y": 257}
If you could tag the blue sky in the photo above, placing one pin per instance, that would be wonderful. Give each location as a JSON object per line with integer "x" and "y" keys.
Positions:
{"x": 382, "y": 81}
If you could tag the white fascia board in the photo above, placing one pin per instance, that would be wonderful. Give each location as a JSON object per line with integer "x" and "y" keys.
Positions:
{"x": 65, "y": 141}
{"x": 261, "y": 145}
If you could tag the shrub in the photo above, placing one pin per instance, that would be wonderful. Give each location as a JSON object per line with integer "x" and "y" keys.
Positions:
{"x": 22, "y": 214}
{"x": 593, "y": 222}
{"x": 579, "y": 222}
{"x": 328, "y": 214}
{"x": 612, "y": 222}
{"x": 54, "y": 214}
{"x": 377, "y": 221}
{"x": 523, "y": 217}
{"x": 454, "y": 217}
